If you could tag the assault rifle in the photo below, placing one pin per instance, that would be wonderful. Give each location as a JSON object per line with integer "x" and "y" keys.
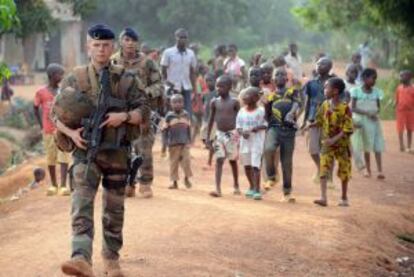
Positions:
{"x": 92, "y": 132}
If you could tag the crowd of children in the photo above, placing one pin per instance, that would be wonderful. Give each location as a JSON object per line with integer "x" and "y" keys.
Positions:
{"x": 258, "y": 125}
{"x": 251, "y": 115}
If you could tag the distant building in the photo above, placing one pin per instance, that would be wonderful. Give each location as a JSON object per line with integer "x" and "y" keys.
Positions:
{"x": 64, "y": 45}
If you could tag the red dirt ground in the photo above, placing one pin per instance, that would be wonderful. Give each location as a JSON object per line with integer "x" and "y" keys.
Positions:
{"x": 188, "y": 233}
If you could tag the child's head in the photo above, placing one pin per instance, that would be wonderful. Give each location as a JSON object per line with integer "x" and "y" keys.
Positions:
{"x": 232, "y": 50}
{"x": 356, "y": 58}
{"x": 250, "y": 96}
{"x": 351, "y": 72}
{"x": 177, "y": 102}
{"x": 211, "y": 81}
{"x": 324, "y": 66}
{"x": 279, "y": 61}
{"x": 202, "y": 69}
{"x": 281, "y": 77}
{"x": 267, "y": 71}
{"x": 334, "y": 88}
{"x": 369, "y": 77}
{"x": 55, "y": 73}
{"x": 39, "y": 174}
{"x": 255, "y": 76}
{"x": 220, "y": 50}
{"x": 405, "y": 77}
{"x": 223, "y": 85}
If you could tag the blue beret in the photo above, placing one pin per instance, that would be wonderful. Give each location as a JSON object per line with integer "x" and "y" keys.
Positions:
{"x": 129, "y": 32}
{"x": 101, "y": 32}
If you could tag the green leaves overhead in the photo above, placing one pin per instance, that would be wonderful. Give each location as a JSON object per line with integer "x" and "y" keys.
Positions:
{"x": 8, "y": 16}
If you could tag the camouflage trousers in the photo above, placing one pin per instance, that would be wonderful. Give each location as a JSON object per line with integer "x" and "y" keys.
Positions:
{"x": 83, "y": 196}
{"x": 143, "y": 147}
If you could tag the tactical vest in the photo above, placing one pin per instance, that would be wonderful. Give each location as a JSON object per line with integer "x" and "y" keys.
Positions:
{"x": 88, "y": 82}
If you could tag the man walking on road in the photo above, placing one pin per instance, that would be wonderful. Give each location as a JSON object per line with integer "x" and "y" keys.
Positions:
{"x": 111, "y": 162}
{"x": 179, "y": 68}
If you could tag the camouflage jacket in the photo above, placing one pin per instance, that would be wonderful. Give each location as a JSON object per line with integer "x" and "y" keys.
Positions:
{"x": 147, "y": 71}
{"x": 124, "y": 86}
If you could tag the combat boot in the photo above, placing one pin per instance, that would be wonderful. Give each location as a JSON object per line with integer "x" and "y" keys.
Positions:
{"x": 146, "y": 191}
{"x": 112, "y": 268}
{"x": 77, "y": 267}
{"x": 130, "y": 191}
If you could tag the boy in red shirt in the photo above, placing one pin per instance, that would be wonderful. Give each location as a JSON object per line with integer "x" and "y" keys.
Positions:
{"x": 405, "y": 109}
{"x": 43, "y": 100}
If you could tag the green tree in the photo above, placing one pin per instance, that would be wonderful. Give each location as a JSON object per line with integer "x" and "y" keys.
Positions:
{"x": 156, "y": 20}
{"x": 8, "y": 19}
{"x": 387, "y": 21}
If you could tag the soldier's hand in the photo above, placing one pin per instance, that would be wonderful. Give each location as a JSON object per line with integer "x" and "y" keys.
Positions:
{"x": 114, "y": 120}
{"x": 76, "y": 137}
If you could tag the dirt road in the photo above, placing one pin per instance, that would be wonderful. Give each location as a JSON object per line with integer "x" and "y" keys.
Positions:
{"x": 187, "y": 233}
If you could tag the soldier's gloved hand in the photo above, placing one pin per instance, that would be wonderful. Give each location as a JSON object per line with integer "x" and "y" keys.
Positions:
{"x": 114, "y": 120}
{"x": 76, "y": 137}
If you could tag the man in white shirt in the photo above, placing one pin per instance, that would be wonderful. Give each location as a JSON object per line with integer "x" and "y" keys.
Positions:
{"x": 294, "y": 61}
{"x": 179, "y": 68}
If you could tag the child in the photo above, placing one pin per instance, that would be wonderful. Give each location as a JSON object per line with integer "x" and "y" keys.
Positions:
{"x": 366, "y": 107}
{"x": 350, "y": 83}
{"x": 404, "y": 96}
{"x": 43, "y": 100}
{"x": 314, "y": 91}
{"x": 177, "y": 132}
{"x": 235, "y": 67}
{"x": 197, "y": 102}
{"x": 6, "y": 92}
{"x": 266, "y": 85}
{"x": 255, "y": 77}
{"x": 251, "y": 125}
{"x": 38, "y": 175}
{"x": 281, "y": 113}
{"x": 334, "y": 117}
{"x": 224, "y": 111}
{"x": 356, "y": 60}
{"x": 210, "y": 95}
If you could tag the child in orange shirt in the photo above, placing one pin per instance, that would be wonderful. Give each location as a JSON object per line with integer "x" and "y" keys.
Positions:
{"x": 405, "y": 109}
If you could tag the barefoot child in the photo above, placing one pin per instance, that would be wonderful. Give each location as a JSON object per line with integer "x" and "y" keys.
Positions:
{"x": 210, "y": 95}
{"x": 177, "y": 132}
{"x": 281, "y": 113}
{"x": 365, "y": 108}
{"x": 251, "y": 125}
{"x": 404, "y": 96}
{"x": 334, "y": 117}
{"x": 224, "y": 111}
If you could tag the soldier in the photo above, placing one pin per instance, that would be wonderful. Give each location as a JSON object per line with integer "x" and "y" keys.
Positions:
{"x": 136, "y": 62}
{"x": 111, "y": 163}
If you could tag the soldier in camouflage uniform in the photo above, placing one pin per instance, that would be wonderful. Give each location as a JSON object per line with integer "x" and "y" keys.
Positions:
{"x": 111, "y": 163}
{"x": 136, "y": 62}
